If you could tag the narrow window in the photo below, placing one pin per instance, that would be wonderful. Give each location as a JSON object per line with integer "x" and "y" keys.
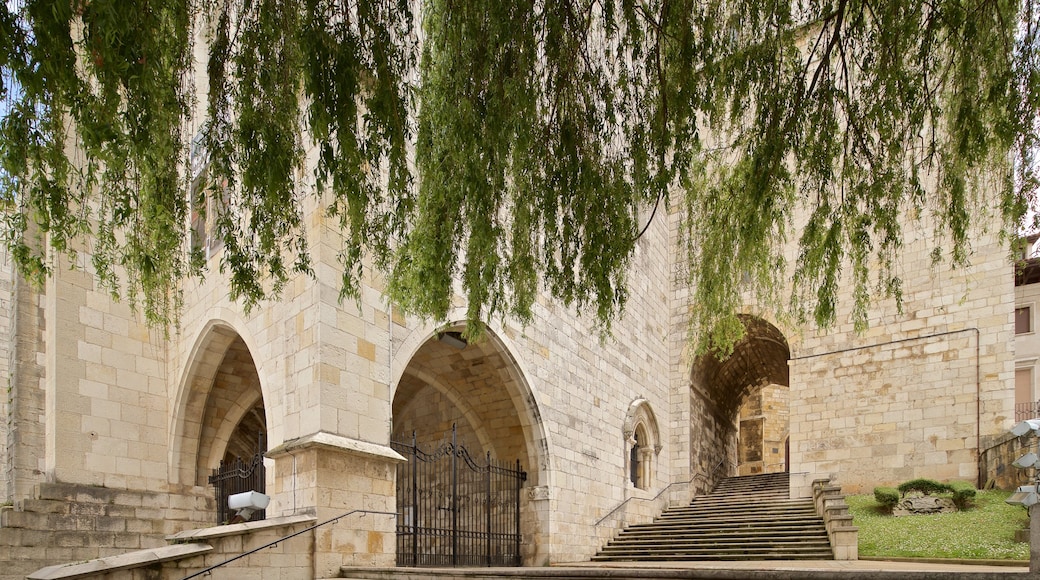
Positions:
{"x": 1023, "y": 319}
{"x": 1025, "y": 405}
{"x": 634, "y": 467}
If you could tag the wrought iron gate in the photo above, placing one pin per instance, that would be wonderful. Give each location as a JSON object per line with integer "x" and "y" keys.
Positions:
{"x": 236, "y": 477}
{"x": 455, "y": 511}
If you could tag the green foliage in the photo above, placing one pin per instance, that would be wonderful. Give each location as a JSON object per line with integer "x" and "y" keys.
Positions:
{"x": 119, "y": 194}
{"x": 922, "y": 485}
{"x": 519, "y": 147}
{"x": 886, "y": 497}
{"x": 963, "y": 494}
{"x": 986, "y": 532}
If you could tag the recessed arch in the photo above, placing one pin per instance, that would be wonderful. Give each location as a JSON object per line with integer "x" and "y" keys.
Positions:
{"x": 219, "y": 390}
{"x": 721, "y": 385}
{"x": 643, "y": 444}
{"x": 480, "y": 387}
{"x": 508, "y": 371}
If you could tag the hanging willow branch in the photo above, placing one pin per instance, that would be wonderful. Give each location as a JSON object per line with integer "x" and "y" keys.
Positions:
{"x": 513, "y": 147}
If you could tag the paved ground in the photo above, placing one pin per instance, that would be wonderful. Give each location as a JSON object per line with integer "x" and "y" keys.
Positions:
{"x": 826, "y": 565}
{"x": 779, "y": 570}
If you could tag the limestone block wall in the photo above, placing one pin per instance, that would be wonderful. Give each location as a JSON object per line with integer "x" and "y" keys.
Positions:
{"x": 23, "y": 465}
{"x": 919, "y": 394}
{"x": 764, "y": 421}
{"x": 105, "y": 386}
{"x": 575, "y": 393}
{"x": 584, "y": 387}
{"x": 65, "y": 523}
{"x": 322, "y": 363}
{"x": 6, "y": 352}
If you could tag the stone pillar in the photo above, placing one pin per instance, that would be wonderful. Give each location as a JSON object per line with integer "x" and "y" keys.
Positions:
{"x": 646, "y": 458}
{"x": 327, "y": 476}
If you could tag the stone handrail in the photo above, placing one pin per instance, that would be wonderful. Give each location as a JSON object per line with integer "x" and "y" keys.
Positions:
{"x": 830, "y": 505}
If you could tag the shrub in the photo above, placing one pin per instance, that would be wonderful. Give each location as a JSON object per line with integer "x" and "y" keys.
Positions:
{"x": 963, "y": 494}
{"x": 925, "y": 486}
{"x": 887, "y": 497}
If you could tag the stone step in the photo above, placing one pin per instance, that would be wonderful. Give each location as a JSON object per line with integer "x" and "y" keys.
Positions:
{"x": 746, "y": 518}
{"x": 696, "y": 512}
{"x": 711, "y": 542}
{"x": 672, "y": 527}
{"x": 777, "y": 533}
{"x": 717, "y": 550}
{"x": 742, "y": 555}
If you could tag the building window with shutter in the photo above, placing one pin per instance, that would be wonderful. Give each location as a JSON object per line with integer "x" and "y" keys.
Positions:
{"x": 1023, "y": 319}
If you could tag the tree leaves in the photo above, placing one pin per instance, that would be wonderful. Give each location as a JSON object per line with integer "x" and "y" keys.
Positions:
{"x": 511, "y": 146}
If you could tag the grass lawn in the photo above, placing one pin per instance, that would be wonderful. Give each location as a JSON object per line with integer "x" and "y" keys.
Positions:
{"x": 985, "y": 532}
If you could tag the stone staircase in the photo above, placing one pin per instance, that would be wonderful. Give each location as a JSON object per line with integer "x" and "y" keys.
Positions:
{"x": 744, "y": 518}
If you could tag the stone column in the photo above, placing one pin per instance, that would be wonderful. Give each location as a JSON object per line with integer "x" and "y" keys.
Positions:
{"x": 327, "y": 476}
{"x": 646, "y": 458}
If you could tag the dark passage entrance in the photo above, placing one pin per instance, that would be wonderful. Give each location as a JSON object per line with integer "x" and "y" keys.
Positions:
{"x": 455, "y": 511}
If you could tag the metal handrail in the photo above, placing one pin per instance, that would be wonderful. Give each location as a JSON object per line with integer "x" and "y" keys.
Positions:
{"x": 284, "y": 538}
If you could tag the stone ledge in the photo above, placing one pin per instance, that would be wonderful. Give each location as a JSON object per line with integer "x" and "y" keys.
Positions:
{"x": 120, "y": 562}
{"x": 238, "y": 529}
{"x": 337, "y": 443}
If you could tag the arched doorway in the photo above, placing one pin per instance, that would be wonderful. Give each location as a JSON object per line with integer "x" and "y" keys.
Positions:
{"x": 222, "y": 418}
{"x": 478, "y": 392}
{"x": 739, "y": 414}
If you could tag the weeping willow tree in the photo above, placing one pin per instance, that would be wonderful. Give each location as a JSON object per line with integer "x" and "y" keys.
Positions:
{"x": 518, "y": 147}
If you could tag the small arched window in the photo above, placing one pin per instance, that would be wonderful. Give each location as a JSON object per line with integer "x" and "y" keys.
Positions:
{"x": 642, "y": 441}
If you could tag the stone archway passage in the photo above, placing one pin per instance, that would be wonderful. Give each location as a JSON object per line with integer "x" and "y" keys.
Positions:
{"x": 720, "y": 386}
{"x": 479, "y": 389}
{"x": 471, "y": 386}
{"x": 234, "y": 423}
{"x": 455, "y": 509}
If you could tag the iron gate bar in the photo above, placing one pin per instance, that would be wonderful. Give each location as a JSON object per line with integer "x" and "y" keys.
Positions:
{"x": 483, "y": 528}
{"x": 238, "y": 476}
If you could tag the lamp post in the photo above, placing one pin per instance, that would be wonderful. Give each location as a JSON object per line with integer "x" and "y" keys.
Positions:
{"x": 1026, "y": 495}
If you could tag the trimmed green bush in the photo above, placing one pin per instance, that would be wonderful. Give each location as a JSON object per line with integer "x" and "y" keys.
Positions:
{"x": 887, "y": 497}
{"x": 963, "y": 494}
{"x": 925, "y": 486}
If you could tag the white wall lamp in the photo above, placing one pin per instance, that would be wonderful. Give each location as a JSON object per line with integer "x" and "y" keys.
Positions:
{"x": 1026, "y": 495}
{"x": 246, "y": 503}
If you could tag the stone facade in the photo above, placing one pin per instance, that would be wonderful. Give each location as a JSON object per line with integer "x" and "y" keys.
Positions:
{"x": 764, "y": 426}
{"x": 921, "y": 393}
{"x": 97, "y": 400}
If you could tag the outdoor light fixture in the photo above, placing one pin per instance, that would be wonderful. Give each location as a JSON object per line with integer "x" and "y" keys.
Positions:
{"x": 246, "y": 503}
{"x": 1026, "y": 461}
{"x": 455, "y": 339}
{"x": 1027, "y": 426}
{"x": 1024, "y": 496}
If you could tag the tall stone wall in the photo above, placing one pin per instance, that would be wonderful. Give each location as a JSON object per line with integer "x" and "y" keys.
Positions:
{"x": 6, "y": 351}
{"x": 921, "y": 392}
{"x": 105, "y": 386}
{"x": 577, "y": 387}
{"x": 23, "y": 465}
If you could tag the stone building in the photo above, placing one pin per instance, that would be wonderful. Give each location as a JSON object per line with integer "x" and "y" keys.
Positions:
{"x": 111, "y": 430}
{"x": 1027, "y": 341}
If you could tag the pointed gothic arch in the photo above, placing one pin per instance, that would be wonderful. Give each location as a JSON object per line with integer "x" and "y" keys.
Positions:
{"x": 220, "y": 407}
{"x": 721, "y": 385}
{"x": 642, "y": 443}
